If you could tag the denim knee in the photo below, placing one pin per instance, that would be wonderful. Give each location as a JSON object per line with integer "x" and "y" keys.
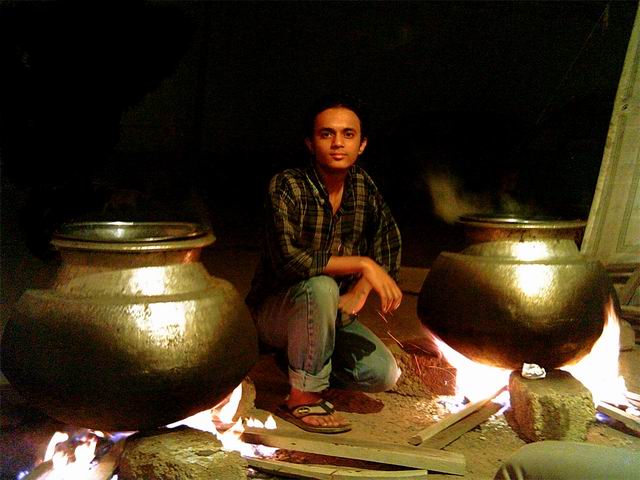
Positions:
{"x": 324, "y": 289}
{"x": 379, "y": 373}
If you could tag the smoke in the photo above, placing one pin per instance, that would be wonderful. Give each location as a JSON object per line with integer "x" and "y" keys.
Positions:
{"x": 451, "y": 201}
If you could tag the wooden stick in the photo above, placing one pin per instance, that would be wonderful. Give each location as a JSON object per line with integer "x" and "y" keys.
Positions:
{"x": 625, "y": 294}
{"x": 380, "y": 452}
{"x": 631, "y": 421}
{"x": 431, "y": 430}
{"x": 632, "y": 396}
{"x": 461, "y": 427}
{"x": 330, "y": 472}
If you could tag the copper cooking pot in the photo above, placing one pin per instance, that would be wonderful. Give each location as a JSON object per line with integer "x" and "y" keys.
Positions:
{"x": 505, "y": 303}
{"x": 133, "y": 334}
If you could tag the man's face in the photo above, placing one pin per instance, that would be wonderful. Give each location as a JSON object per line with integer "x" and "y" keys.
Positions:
{"x": 337, "y": 141}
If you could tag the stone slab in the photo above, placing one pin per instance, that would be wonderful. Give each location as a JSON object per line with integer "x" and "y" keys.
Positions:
{"x": 557, "y": 407}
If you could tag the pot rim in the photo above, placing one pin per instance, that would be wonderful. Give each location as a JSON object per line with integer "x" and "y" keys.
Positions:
{"x": 132, "y": 236}
{"x": 514, "y": 222}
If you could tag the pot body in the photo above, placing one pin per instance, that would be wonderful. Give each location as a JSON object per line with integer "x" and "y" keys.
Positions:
{"x": 506, "y": 303}
{"x": 134, "y": 333}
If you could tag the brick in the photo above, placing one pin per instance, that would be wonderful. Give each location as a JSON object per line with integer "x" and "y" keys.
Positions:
{"x": 557, "y": 407}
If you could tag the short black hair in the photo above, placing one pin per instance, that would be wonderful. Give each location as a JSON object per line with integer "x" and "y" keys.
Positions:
{"x": 335, "y": 100}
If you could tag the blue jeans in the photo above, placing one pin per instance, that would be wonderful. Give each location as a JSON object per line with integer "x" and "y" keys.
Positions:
{"x": 321, "y": 343}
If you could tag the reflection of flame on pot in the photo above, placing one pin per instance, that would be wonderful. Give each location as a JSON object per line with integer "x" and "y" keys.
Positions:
{"x": 534, "y": 280}
{"x": 598, "y": 370}
{"x": 75, "y": 458}
{"x": 163, "y": 322}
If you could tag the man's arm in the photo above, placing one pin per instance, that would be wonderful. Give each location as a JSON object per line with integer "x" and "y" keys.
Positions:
{"x": 372, "y": 276}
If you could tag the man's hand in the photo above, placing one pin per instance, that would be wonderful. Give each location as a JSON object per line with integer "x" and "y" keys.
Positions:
{"x": 376, "y": 277}
{"x": 385, "y": 286}
{"x": 353, "y": 301}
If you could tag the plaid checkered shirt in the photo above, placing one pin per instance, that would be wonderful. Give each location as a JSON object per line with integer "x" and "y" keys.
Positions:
{"x": 301, "y": 232}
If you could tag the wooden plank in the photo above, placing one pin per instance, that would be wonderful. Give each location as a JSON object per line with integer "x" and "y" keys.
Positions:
{"x": 330, "y": 472}
{"x": 380, "y": 452}
{"x": 631, "y": 314}
{"x": 631, "y": 421}
{"x": 461, "y": 427}
{"x": 627, "y": 292}
{"x": 611, "y": 235}
{"x": 633, "y": 398}
{"x": 432, "y": 430}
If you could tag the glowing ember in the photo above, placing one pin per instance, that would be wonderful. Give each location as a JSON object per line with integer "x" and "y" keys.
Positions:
{"x": 598, "y": 371}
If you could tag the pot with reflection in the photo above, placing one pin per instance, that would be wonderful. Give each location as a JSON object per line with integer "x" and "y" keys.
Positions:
{"x": 506, "y": 303}
{"x": 134, "y": 332}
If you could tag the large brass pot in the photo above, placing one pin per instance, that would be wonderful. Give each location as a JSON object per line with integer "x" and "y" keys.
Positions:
{"x": 505, "y": 303}
{"x": 133, "y": 334}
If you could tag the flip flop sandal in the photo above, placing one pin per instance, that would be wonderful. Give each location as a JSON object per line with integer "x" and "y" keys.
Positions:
{"x": 296, "y": 415}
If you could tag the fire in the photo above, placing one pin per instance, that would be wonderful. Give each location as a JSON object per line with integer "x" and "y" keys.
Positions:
{"x": 77, "y": 466}
{"x": 222, "y": 415}
{"x": 473, "y": 380}
{"x": 72, "y": 466}
{"x": 598, "y": 371}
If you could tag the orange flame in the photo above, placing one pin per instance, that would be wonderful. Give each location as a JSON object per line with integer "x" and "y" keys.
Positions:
{"x": 66, "y": 468}
{"x": 598, "y": 371}
{"x": 473, "y": 380}
{"x": 224, "y": 413}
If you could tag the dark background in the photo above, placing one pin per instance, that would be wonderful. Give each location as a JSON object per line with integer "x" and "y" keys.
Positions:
{"x": 183, "y": 110}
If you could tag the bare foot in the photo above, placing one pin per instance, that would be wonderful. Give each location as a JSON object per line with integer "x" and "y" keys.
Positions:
{"x": 298, "y": 397}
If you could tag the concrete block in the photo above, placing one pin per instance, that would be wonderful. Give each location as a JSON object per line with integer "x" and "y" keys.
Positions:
{"x": 557, "y": 407}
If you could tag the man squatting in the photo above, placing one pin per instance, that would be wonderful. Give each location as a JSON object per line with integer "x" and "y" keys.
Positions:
{"x": 330, "y": 240}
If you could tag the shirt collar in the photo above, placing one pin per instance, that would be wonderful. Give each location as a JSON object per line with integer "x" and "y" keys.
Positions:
{"x": 318, "y": 185}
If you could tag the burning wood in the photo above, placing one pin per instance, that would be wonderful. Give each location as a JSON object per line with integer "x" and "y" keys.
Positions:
{"x": 88, "y": 461}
